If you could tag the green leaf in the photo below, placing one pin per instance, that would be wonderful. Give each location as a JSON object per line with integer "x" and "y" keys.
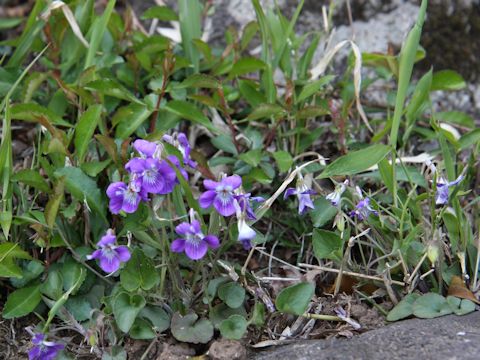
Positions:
{"x": 190, "y": 112}
{"x": 356, "y": 161}
{"x": 129, "y": 118}
{"x": 115, "y": 353}
{"x": 221, "y": 312}
{"x": 456, "y": 117}
{"x": 126, "y": 307}
{"x": 323, "y": 213}
{"x": 13, "y": 250}
{"x": 224, "y": 142}
{"x": 95, "y": 167}
{"x": 234, "y": 327}
{"x": 252, "y": 157}
{"x": 31, "y": 178}
{"x": 157, "y": 316}
{"x": 295, "y": 299}
{"x": 73, "y": 273}
{"x": 232, "y": 294}
{"x": 31, "y": 271}
{"x": 419, "y": 97}
{"x": 265, "y": 111}
{"x": 139, "y": 272}
{"x": 188, "y": 329}
{"x": 141, "y": 330}
{"x": 430, "y": 306}
{"x": 447, "y": 80}
{"x": 190, "y": 17}
{"x": 112, "y": 88}
{"x": 7, "y": 23}
{"x": 79, "y": 307}
{"x": 469, "y": 139}
{"x": 403, "y": 309}
{"x": 22, "y": 302}
{"x": 83, "y": 188}
{"x": 53, "y": 286}
{"x": 96, "y": 32}
{"x": 85, "y": 128}
{"x": 53, "y": 204}
{"x": 163, "y": 13}
{"x": 460, "y": 306}
{"x": 284, "y": 160}
{"x": 311, "y": 112}
{"x": 312, "y": 87}
{"x": 8, "y": 268}
{"x": 327, "y": 245}
{"x": 199, "y": 81}
{"x": 249, "y": 31}
{"x": 32, "y": 112}
{"x": 246, "y": 65}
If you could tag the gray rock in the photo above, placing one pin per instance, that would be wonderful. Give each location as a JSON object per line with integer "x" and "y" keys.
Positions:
{"x": 449, "y": 337}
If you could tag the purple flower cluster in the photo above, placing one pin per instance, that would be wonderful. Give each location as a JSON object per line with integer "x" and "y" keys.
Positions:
{"x": 110, "y": 256}
{"x": 43, "y": 349}
{"x": 228, "y": 199}
{"x": 149, "y": 173}
{"x": 180, "y": 141}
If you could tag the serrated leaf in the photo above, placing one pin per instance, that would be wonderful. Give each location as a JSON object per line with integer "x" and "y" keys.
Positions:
{"x": 85, "y": 128}
{"x": 295, "y": 299}
{"x": 199, "y": 81}
{"x": 129, "y": 118}
{"x": 22, "y": 302}
{"x": 188, "y": 329}
{"x": 356, "y": 161}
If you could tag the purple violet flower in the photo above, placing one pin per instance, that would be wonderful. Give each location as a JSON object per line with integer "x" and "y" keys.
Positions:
{"x": 43, "y": 349}
{"x": 363, "y": 209}
{"x": 193, "y": 242}
{"x": 125, "y": 197}
{"x": 221, "y": 194}
{"x": 336, "y": 195}
{"x": 245, "y": 233}
{"x": 244, "y": 200}
{"x": 180, "y": 141}
{"x": 443, "y": 185}
{"x": 110, "y": 255}
{"x": 145, "y": 148}
{"x": 303, "y": 192}
{"x": 155, "y": 176}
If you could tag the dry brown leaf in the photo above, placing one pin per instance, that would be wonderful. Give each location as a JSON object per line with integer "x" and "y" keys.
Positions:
{"x": 458, "y": 289}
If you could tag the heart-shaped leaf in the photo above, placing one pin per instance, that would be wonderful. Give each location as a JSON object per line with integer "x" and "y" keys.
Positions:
{"x": 295, "y": 299}
{"x": 403, "y": 309}
{"x": 430, "y": 306}
{"x": 460, "y": 306}
{"x": 232, "y": 293}
{"x": 188, "y": 329}
{"x": 234, "y": 327}
{"x": 126, "y": 308}
{"x": 139, "y": 273}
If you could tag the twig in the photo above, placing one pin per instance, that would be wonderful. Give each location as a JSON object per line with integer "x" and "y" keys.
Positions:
{"x": 369, "y": 277}
{"x": 280, "y": 260}
{"x": 417, "y": 268}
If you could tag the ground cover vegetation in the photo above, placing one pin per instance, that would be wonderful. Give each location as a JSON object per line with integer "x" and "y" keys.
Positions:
{"x": 179, "y": 189}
